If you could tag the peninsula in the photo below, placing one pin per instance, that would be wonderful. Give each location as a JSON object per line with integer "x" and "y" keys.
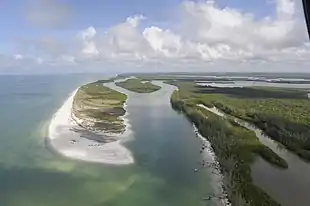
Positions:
{"x": 91, "y": 125}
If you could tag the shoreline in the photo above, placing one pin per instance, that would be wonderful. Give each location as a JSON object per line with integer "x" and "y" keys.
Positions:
{"x": 209, "y": 155}
{"x": 218, "y": 176}
{"x": 69, "y": 143}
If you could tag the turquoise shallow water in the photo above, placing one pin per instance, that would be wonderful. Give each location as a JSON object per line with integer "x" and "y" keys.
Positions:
{"x": 164, "y": 147}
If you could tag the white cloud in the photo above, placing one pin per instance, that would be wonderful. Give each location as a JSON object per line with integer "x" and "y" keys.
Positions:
{"x": 208, "y": 33}
{"x": 205, "y": 35}
{"x": 242, "y": 30}
{"x": 163, "y": 41}
{"x": 18, "y": 57}
{"x": 123, "y": 41}
{"x": 89, "y": 47}
{"x": 88, "y": 33}
{"x": 135, "y": 20}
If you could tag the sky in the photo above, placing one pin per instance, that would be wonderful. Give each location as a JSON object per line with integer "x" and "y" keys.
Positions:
{"x": 65, "y": 36}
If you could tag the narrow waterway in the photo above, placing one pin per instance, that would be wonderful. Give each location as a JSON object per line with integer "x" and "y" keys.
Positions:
{"x": 165, "y": 146}
{"x": 163, "y": 143}
{"x": 289, "y": 187}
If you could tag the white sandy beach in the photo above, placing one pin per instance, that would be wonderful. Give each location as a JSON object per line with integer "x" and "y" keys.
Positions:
{"x": 69, "y": 143}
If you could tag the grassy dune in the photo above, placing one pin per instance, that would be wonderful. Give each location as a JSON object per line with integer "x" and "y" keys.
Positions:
{"x": 137, "y": 85}
{"x": 99, "y": 107}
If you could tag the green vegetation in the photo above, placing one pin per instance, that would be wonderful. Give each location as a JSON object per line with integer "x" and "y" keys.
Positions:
{"x": 234, "y": 146}
{"x": 99, "y": 107}
{"x": 137, "y": 85}
{"x": 294, "y": 75}
{"x": 225, "y": 77}
{"x": 254, "y": 92}
{"x": 281, "y": 113}
{"x": 283, "y": 117}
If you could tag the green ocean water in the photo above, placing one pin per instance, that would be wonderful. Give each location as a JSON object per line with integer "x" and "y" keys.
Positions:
{"x": 164, "y": 147}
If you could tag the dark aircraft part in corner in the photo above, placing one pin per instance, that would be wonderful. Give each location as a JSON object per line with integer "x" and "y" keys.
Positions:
{"x": 306, "y": 5}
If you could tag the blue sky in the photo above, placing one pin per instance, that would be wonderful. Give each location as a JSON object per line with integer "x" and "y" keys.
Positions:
{"x": 105, "y": 13}
{"x": 171, "y": 31}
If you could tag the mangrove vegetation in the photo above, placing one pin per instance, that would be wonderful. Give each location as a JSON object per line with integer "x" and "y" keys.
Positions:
{"x": 235, "y": 147}
{"x": 137, "y": 85}
{"x": 281, "y": 113}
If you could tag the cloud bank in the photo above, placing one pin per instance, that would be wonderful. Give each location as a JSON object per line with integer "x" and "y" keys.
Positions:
{"x": 204, "y": 35}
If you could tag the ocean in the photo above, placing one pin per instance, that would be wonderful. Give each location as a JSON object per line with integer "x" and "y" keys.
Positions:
{"x": 164, "y": 147}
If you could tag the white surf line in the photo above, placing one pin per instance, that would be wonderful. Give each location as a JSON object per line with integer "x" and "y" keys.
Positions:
{"x": 69, "y": 143}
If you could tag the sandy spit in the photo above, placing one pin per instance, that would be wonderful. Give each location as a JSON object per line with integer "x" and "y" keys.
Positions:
{"x": 64, "y": 139}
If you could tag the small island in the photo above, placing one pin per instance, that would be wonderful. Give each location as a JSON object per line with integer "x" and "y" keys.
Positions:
{"x": 138, "y": 86}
